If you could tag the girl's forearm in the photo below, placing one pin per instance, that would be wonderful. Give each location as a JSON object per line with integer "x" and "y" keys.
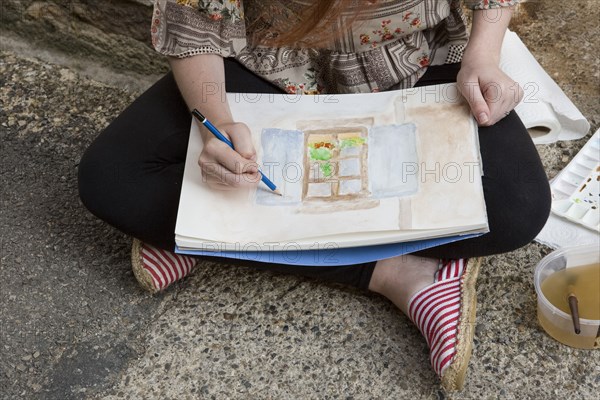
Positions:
{"x": 487, "y": 34}
{"x": 201, "y": 81}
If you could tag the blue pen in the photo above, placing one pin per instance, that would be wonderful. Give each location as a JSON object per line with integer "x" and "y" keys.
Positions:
{"x": 222, "y": 138}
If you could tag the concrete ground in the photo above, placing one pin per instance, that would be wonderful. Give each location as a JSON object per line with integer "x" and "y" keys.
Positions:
{"x": 75, "y": 325}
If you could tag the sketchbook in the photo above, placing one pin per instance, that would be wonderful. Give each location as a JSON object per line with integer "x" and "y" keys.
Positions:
{"x": 354, "y": 170}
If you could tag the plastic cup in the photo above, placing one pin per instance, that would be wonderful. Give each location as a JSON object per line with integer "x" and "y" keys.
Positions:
{"x": 557, "y": 323}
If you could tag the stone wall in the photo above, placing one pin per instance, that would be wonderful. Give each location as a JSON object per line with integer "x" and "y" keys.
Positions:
{"x": 115, "y": 33}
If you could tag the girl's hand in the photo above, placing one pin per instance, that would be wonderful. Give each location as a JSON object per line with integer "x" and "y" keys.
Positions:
{"x": 491, "y": 93}
{"x": 224, "y": 168}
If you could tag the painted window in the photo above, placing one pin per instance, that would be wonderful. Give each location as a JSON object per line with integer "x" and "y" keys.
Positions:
{"x": 336, "y": 161}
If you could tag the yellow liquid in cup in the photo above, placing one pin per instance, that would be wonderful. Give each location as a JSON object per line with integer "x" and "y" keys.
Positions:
{"x": 584, "y": 282}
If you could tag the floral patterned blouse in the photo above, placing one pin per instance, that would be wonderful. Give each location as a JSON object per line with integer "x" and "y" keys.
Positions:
{"x": 389, "y": 47}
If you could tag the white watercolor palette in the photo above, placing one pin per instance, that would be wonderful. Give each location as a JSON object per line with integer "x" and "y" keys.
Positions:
{"x": 576, "y": 190}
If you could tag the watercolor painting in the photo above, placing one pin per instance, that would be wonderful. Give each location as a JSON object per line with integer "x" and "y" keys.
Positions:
{"x": 339, "y": 164}
{"x": 393, "y": 160}
{"x": 282, "y": 162}
{"x": 336, "y": 161}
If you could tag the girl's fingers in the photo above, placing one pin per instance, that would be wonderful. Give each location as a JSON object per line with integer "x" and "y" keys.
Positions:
{"x": 503, "y": 105}
{"x": 242, "y": 141}
{"x": 479, "y": 107}
{"x": 495, "y": 97}
{"x": 223, "y": 167}
{"x": 216, "y": 173}
{"x": 490, "y": 93}
{"x": 229, "y": 158}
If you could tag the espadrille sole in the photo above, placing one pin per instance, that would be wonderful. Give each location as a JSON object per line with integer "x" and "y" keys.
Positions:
{"x": 454, "y": 376}
{"x": 143, "y": 277}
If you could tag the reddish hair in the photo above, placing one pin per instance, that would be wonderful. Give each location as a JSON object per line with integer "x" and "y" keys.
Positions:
{"x": 316, "y": 26}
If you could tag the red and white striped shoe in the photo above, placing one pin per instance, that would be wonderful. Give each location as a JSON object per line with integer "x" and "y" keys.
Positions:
{"x": 156, "y": 269}
{"x": 444, "y": 312}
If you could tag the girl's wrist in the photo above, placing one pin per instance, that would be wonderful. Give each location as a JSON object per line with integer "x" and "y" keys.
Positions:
{"x": 218, "y": 113}
{"x": 477, "y": 57}
{"x": 206, "y": 135}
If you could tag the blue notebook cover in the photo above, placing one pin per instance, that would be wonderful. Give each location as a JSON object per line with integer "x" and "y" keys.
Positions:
{"x": 331, "y": 256}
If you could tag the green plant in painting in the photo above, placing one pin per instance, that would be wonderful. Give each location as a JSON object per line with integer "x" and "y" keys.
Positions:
{"x": 323, "y": 152}
{"x": 320, "y": 153}
{"x": 352, "y": 142}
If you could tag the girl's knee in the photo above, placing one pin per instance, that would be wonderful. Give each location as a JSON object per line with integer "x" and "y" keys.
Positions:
{"x": 92, "y": 179}
{"x": 526, "y": 217}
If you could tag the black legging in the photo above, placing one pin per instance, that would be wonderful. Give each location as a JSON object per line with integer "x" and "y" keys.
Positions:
{"x": 131, "y": 176}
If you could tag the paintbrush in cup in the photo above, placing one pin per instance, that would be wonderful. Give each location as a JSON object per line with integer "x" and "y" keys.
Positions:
{"x": 573, "y": 306}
